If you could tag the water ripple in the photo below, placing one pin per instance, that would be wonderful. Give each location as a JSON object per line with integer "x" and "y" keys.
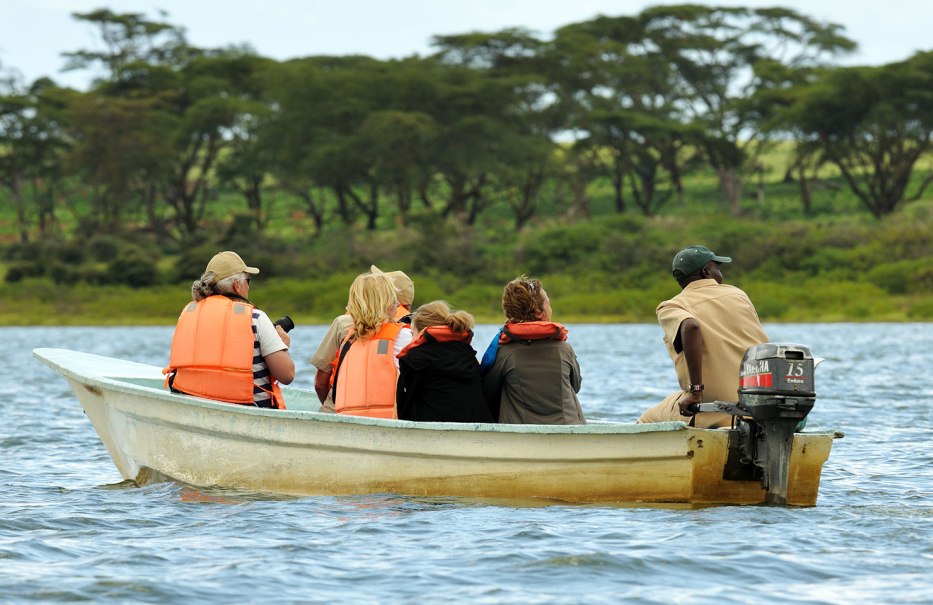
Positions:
{"x": 71, "y": 530}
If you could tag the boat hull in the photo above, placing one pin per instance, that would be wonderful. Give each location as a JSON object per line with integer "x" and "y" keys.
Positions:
{"x": 153, "y": 434}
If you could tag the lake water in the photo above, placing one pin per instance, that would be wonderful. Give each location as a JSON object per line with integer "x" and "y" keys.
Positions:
{"x": 71, "y": 531}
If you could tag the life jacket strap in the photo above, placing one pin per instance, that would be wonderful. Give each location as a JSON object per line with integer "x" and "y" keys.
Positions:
{"x": 343, "y": 353}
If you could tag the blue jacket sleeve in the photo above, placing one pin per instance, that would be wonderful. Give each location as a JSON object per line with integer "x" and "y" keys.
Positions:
{"x": 489, "y": 357}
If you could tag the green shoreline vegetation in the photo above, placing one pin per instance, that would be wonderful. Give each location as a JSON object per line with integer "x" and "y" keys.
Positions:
{"x": 586, "y": 158}
{"x": 838, "y": 265}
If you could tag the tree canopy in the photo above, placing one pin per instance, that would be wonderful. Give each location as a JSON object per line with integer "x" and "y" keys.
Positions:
{"x": 491, "y": 120}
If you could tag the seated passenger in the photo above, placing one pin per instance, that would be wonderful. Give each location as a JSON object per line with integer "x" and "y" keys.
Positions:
{"x": 439, "y": 379}
{"x": 323, "y": 358}
{"x": 404, "y": 292}
{"x": 535, "y": 377}
{"x": 224, "y": 348}
{"x": 366, "y": 366}
{"x": 707, "y": 327}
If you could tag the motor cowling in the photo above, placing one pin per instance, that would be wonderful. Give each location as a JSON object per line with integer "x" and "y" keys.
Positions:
{"x": 776, "y": 392}
{"x": 776, "y": 381}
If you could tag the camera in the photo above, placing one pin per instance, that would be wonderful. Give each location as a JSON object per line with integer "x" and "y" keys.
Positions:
{"x": 285, "y": 322}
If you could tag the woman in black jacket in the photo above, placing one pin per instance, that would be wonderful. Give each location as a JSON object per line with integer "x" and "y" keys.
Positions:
{"x": 439, "y": 377}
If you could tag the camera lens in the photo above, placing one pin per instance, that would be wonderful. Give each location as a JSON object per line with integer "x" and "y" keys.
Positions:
{"x": 286, "y": 323}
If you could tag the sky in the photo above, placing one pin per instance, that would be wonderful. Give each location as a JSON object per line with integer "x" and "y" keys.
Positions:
{"x": 34, "y": 33}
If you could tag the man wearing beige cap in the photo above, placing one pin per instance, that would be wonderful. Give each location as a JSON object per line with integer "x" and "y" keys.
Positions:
{"x": 707, "y": 329}
{"x": 224, "y": 348}
{"x": 339, "y": 328}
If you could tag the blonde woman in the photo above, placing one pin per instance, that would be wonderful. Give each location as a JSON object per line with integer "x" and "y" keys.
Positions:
{"x": 366, "y": 367}
{"x": 323, "y": 358}
{"x": 536, "y": 376}
{"x": 439, "y": 377}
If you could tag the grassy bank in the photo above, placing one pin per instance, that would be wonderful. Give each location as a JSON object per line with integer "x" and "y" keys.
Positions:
{"x": 613, "y": 268}
{"x": 809, "y": 301}
{"x": 836, "y": 263}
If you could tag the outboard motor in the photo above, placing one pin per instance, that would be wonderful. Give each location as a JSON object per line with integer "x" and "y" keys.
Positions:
{"x": 776, "y": 393}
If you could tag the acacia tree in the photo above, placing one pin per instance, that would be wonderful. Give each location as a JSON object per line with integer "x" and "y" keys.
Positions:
{"x": 721, "y": 58}
{"x": 204, "y": 108}
{"x": 333, "y": 134}
{"x": 389, "y": 142}
{"x": 32, "y": 146}
{"x": 123, "y": 125}
{"x": 451, "y": 111}
{"x": 398, "y": 147}
{"x": 117, "y": 146}
{"x": 292, "y": 132}
{"x": 619, "y": 97}
{"x": 513, "y": 133}
{"x": 526, "y": 164}
{"x": 199, "y": 99}
{"x": 470, "y": 127}
{"x": 873, "y": 123}
{"x": 248, "y": 159}
{"x": 131, "y": 45}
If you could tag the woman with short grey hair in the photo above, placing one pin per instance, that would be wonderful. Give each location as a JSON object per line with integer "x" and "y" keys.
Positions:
{"x": 224, "y": 347}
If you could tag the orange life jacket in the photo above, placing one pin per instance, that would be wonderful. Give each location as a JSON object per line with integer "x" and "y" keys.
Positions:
{"x": 212, "y": 352}
{"x": 403, "y": 315}
{"x": 532, "y": 330}
{"x": 365, "y": 377}
{"x": 437, "y": 334}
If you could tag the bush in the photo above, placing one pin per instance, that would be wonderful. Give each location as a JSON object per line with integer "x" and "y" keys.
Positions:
{"x": 288, "y": 296}
{"x": 907, "y": 234}
{"x": 64, "y": 274}
{"x": 846, "y": 235}
{"x": 851, "y": 261}
{"x": 921, "y": 311}
{"x": 30, "y": 251}
{"x": 190, "y": 264}
{"x": 747, "y": 243}
{"x": 72, "y": 253}
{"x": 444, "y": 246}
{"x": 771, "y": 299}
{"x": 483, "y": 301}
{"x": 559, "y": 248}
{"x": 94, "y": 275}
{"x": 103, "y": 247}
{"x": 240, "y": 232}
{"x": 21, "y": 270}
{"x": 134, "y": 268}
{"x": 903, "y": 277}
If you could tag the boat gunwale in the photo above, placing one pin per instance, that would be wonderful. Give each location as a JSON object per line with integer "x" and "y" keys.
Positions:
{"x": 117, "y": 377}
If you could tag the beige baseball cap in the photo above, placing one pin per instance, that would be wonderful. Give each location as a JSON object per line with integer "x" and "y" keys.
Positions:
{"x": 405, "y": 288}
{"x": 227, "y": 263}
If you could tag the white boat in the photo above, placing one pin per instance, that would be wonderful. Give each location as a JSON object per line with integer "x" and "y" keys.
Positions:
{"x": 155, "y": 435}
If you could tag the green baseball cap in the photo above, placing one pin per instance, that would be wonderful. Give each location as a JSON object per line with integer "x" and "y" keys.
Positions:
{"x": 693, "y": 258}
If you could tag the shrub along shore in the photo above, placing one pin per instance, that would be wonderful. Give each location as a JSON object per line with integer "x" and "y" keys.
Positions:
{"x": 611, "y": 268}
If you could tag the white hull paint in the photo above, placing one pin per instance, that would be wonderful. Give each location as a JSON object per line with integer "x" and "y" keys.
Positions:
{"x": 153, "y": 434}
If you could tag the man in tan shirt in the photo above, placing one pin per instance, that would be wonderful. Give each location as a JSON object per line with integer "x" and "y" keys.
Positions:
{"x": 340, "y": 327}
{"x": 707, "y": 329}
